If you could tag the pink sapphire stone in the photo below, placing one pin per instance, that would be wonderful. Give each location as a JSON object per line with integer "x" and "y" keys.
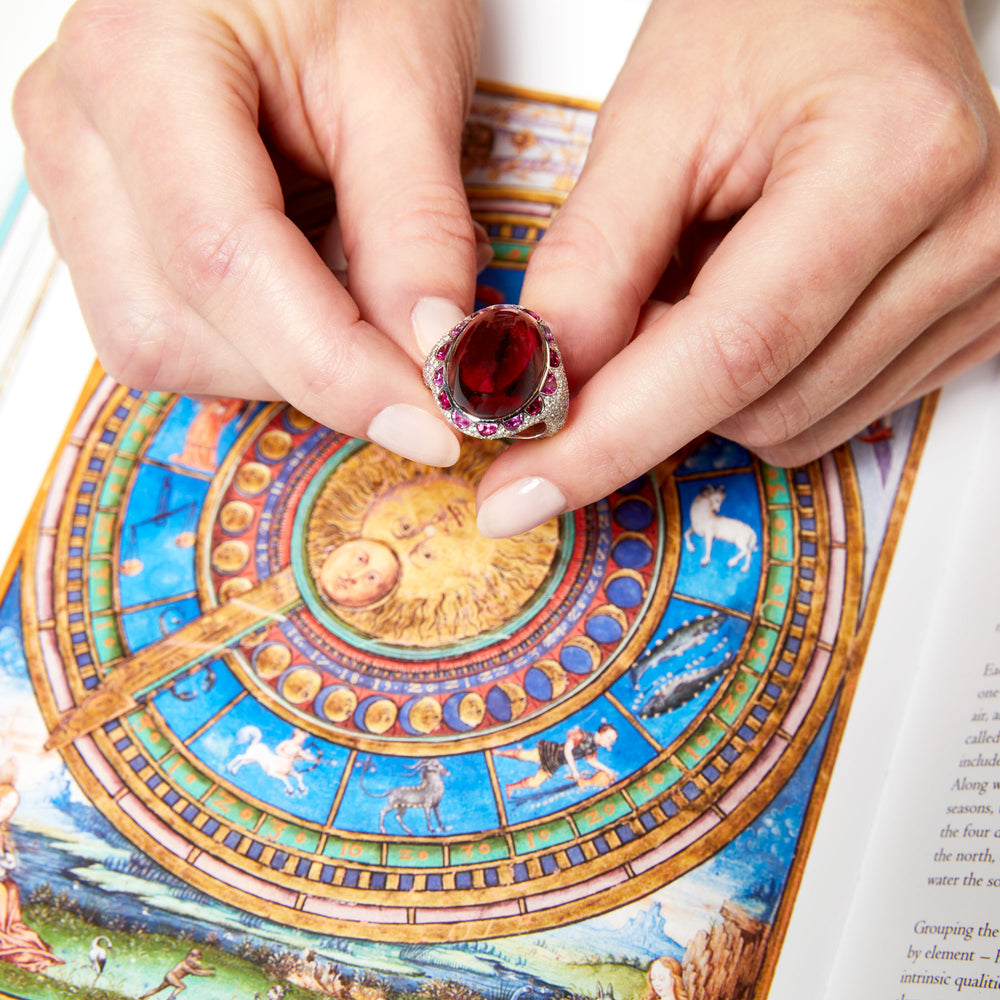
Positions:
{"x": 497, "y": 363}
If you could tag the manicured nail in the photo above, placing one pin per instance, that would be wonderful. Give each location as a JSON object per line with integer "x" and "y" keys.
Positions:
{"x": 432, "y": 318}
{"x": 484, "y": 248}
{"x": 415, "y": 434}
{"x": 519, "y": 506}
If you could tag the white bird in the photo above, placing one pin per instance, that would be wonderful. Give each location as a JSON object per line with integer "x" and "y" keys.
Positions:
{"x": 99, "y": 954}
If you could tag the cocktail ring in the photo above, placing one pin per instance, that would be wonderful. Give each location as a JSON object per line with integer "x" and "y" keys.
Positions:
{"x": 498, "y": 374}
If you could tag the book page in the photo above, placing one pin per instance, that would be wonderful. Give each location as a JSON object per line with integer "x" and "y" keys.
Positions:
{"x": 871, "y": 734}
{"x": 727, "y": 703}
{"x": 924, "y": 919}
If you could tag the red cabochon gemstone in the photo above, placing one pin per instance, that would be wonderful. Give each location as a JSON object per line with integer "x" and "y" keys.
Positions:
{"x": 498, "y": 363}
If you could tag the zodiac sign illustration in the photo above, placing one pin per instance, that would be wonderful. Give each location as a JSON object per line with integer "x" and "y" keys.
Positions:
{"x": 551, "y": 756}
{"x": 707, "y": 522}
{"x": 681, "y": 689}
{"x": 427, "y": 795}
{"x": 678, "y": 641}
{"x": 279, "y": 762}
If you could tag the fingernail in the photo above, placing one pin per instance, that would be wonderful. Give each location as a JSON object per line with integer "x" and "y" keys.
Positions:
{"x": 415, "y": 434}
{"x": 520, "y": 506}
{"x": 432, "y": 318}
{"x": 484, "y": 248}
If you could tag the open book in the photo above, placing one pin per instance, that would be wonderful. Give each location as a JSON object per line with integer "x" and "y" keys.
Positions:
{"x": 592, "y": 761}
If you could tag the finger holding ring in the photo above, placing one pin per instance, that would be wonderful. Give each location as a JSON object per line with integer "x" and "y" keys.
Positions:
{"x": 498, "y": 374}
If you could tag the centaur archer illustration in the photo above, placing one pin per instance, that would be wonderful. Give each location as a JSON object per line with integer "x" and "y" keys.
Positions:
{"x": 279, "y": 762}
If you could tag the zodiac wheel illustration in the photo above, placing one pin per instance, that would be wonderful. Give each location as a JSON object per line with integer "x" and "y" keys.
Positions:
{"x": 339, "y": 707}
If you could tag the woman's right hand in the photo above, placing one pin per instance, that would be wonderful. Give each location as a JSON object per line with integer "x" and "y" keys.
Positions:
{"x": 168, "y": 140}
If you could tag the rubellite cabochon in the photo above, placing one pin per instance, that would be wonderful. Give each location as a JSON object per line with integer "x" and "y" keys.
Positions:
{"x": 498, "y": 374}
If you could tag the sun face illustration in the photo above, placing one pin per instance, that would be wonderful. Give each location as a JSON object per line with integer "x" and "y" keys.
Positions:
{"x": 422, "y": 574}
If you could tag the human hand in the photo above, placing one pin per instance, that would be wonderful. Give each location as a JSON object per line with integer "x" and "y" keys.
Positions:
{"x": 172, "y": 144}
{"x": 856, "y": 147}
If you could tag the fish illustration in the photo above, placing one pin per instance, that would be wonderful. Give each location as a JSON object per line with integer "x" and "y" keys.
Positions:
{"x": 678, "y": 641}
{"x": 681, "y": 689}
